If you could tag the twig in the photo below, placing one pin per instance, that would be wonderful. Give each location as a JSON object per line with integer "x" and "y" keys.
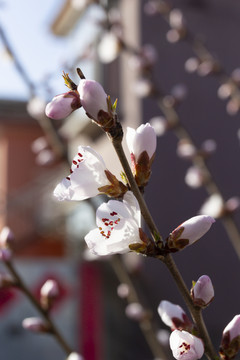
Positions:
{"x": 167, "y": 259}
{"x": 52, "y": 328}
{"x": 145, "y": 323}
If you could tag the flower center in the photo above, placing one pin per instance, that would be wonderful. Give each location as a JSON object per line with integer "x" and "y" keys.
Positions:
{"x": 185, "y": 347}
{"x": 109, "y": 224}
{"x": 75, "y": 163}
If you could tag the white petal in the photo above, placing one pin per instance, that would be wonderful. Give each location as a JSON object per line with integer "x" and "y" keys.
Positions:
{"x": 131, "y": 202}
{"x": 62, "y": 190}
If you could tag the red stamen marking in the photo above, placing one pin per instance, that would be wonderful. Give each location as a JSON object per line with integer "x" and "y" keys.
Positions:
{"x": 79, "y": 154}
{"x": 113, "y": 213}
{"x": 71, "y": 171}
{"x": 68, "y": 177}
{"x": 74, "y": 162}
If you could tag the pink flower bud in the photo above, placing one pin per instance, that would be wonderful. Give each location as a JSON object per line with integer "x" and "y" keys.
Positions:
{"x": 135, "y": 311}
{"x": 5, "y": 254}
{"x": 159, "y": 124}
{"x": 140, "y": 140}
{"x": 213, "y": 206}
{"x": 173, "y": 316}
{"x": 74, "y": 356}
{"x": 230, "y": 344}
{"x": 233, "y": 328}
{"x": 123, "y": 291}
{"x": 34, "y": 324}
{"x": 185, "y": 346}
{"x": 63, "y": 105}
{"x": 189, "y": 231}
{"x": 50, "y": 289}
{"x": 93, "y": 97}
{"x": 6, "y": 237}
{"x": 6, "y": 281}
{"x": 202, "y": 292}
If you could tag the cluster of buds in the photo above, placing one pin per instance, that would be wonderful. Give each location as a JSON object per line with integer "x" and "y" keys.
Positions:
{"x": 183, "y": 343}
{"x": 6, "y": 241}
{"x": 91, "y": 96}
{"x": 178, "y": 27}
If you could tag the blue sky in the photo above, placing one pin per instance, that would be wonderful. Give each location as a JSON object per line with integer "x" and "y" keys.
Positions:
{"x": 27, "y": 26}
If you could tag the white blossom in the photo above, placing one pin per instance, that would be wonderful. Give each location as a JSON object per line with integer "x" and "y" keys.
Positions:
{"x": 118, "y": 226}
{"x": 87, "y": 176}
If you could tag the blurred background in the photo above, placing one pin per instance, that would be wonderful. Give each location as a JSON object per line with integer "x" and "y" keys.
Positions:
{"x": 173, "y": 64}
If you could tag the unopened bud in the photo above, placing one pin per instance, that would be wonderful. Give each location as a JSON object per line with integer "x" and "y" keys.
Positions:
{"x": 233, "y": 106}
{"x": 202, "y": 291}
{"x": 49, "y": 292}
{"x": 189, "y": 232}
{"x": 194, "y": 177}
{"x": 179, "y": 92}
{"x": 143, "y": 87}
{"x": 224, "y": 91}
{"x": 142, "y": 146}
{"x": 208, "y": 147}
{"x": 176, "y": 20}
{"x": 174, "y": 316}
{"x": 63, "y": 105}
{"x": 123, "y": 291}
{"x": 74, "y": 356}
{"x": 5, "y": 254}
{"x": 213, "y": 206}
{"x": 232, "y": 204}
{"x": 186, "y": 149}
{"x": 108, "y": 48}
{"x": 93, "y": 98}
{"x": 7, "y": 237}
{"x": 6, "y": 281}
{"x": 191, "y": 65}
{"x": 35, "y": 324}
{"x": 36, "y": 107}
{"x": 159, "y": 124}
{"x": 50, "y": 289}
{"x": 45, "y": 157}
{"x": 236, "y": 75}
{"x": 230, "y": 344}
{"x": 135, "y": 311}
{"x": 39, "y": 144}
